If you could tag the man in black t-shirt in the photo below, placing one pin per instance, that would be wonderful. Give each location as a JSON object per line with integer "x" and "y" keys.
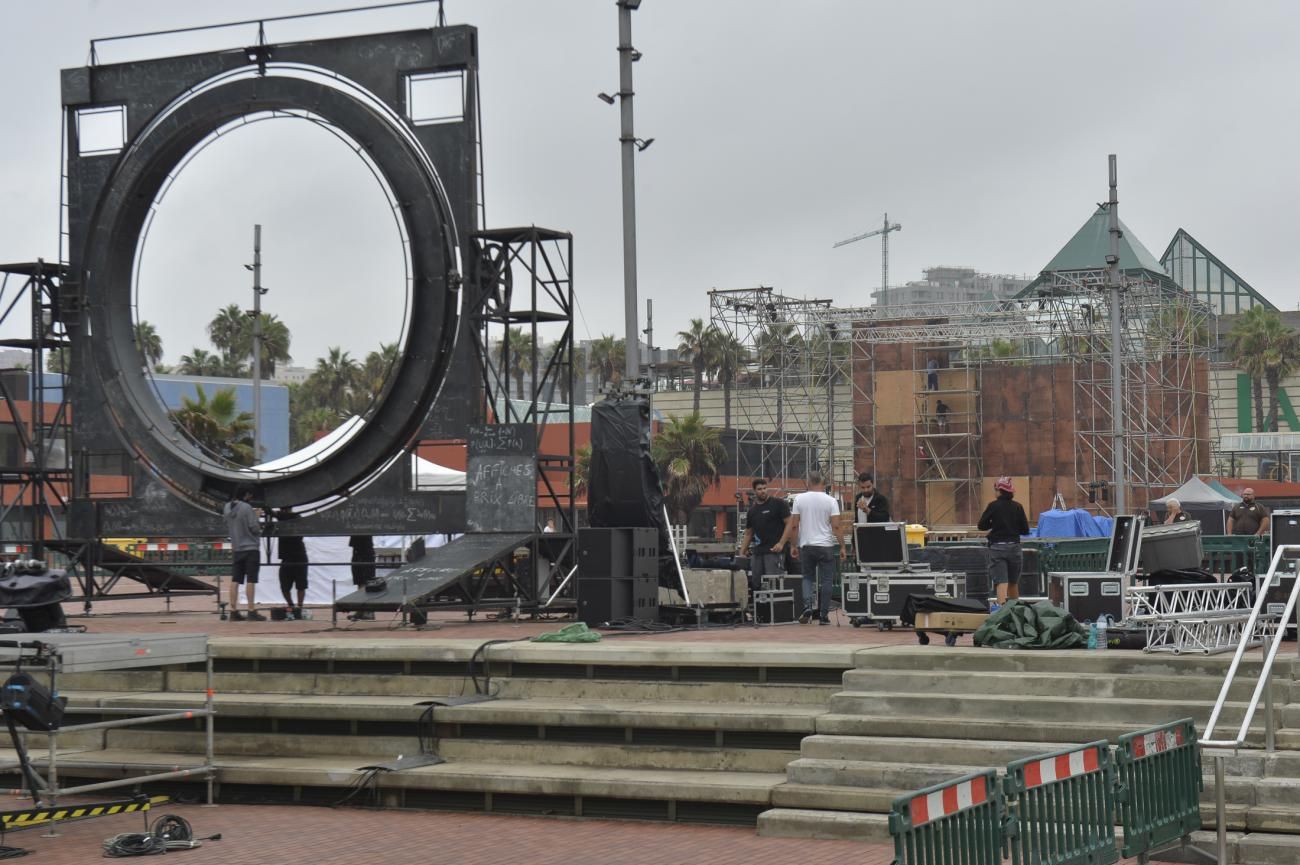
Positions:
{"x": 764, "y": 527}
{"x": 1248, "y": 517}
{"x": 293, "y": 565}
{"x": 869, "y": 506}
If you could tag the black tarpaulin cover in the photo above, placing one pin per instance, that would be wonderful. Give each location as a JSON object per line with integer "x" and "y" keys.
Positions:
{"x": 18, "y": 590}
{"x": 623, "y": 487}
{"x": 937, "y": 604}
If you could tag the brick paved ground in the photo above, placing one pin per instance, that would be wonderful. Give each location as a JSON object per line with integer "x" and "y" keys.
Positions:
{"x": 287, "y": 835}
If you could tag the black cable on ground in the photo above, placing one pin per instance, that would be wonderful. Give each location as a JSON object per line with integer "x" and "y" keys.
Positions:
{"x": 169, "y": 832}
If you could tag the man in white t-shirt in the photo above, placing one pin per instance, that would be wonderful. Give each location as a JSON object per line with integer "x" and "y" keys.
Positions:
{"x": 812, "y": 521}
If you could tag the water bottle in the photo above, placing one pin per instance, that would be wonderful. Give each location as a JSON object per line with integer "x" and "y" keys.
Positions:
{"x": 1101, "y": 631}
{"x": 994, "y": 606}
{"x": 1092, "y": 635}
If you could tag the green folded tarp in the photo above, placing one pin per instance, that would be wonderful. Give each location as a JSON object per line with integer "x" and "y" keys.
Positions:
{"x": 575, "y": 633}
{"x": 1020, "y": 625}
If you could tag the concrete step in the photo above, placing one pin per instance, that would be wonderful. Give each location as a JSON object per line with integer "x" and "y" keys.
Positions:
{"x": 1280, "y": 817}
{"x": 824, "y": 797}
{"x": 755, "y": 717}
{"x": 883, "y": 749}
{"x": 824, "y": 825}
{"x": 855, "y": 773}
{"x": 231, "y": 746}
{"x": 1053, "y": 734}
{"x": 961, "y": 659}
{"x": 1262, "y": 848}
{"x": 1082, "y": 686}
{"x": 341, "y": 771}
{"x": 1017, "y": 709}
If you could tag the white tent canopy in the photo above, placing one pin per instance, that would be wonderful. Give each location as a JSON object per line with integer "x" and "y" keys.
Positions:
{"x": 1197, "y": 494}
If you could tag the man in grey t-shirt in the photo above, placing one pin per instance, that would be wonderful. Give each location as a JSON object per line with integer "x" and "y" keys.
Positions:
{"x": 245, "y": 532}
{"x": 812, "y": 521}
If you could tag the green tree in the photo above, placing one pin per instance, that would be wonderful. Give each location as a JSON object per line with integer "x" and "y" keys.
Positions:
{"x": 606, "y": 358}
{"x": 689, "y": 456}
{"x": 779, "y": 347}
{"x": 514, "y": 356}
{"x": 373, "y": 374}
{"x": 695, "y": 344}
{"x": 199, "y": 362}
{"x": 149, "y": 343}
{"x": 1266, "y": 350}
{"x": 225, "y": 331}
{"x": 729, "y": 358}
{"x": 58, "y": 360}
{"x": 216, "y": 425}
{"x": 581, "y": 470}
{"x": 336, "y": 375}
{"x": 231, "y": 332}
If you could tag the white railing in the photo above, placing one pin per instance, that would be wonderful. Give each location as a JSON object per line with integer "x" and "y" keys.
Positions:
{"x": 1263, "y": 688}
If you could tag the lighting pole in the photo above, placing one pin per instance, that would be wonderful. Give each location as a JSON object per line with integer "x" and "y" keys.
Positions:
{"x": 258, "y": 291}
{"x": 628, "y": 144}
{"x": 1113, "y": 291}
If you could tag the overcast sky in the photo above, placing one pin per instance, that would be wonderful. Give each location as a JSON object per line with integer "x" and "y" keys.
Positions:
{"x": 779, "y": 129}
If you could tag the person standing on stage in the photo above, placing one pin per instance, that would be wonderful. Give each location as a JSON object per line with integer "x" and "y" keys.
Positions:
{"x": 363, "y": 567}
{"x": 764, "y": 526}
{"x": 869, "y": 505}
{"x": 812, "y": 521}
{"x": 245, "y": 532}
{"x": 1248, "y": 517}
{"x": 1005, "y": 521}
{"x": 293, "y": 565}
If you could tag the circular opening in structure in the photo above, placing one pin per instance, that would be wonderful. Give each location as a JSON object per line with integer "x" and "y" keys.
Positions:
{"x": 336, "y": 279}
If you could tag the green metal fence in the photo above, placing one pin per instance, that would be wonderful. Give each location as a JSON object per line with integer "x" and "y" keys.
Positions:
{"x": 956, "y": 822}
{"x": 1064, "y": 810}
{"x": 1160, "y": 785}
{"x": 1225, "y": 554}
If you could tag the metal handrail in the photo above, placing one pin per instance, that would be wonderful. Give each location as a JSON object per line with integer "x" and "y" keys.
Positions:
{"x": 1262, "y": 687}
{"x": 1265, "y": 676}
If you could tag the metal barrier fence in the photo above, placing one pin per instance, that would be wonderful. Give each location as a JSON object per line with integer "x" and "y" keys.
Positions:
{"x": 1160, "y": 785}
{"x": 956, "y": 822}
{"x": 1065, "y": 808}
{"x": 1059, "y": 808}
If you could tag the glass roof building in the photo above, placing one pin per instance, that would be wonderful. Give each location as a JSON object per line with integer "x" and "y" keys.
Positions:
{"x": 1198, "y": 272}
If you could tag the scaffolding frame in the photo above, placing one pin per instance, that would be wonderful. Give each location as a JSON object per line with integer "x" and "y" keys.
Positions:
{"x": 1165, "y": 377}
{"x": 797, "y": 389}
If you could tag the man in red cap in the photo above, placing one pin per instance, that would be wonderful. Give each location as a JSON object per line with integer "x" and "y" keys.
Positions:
{"x": 1005, "y": 521}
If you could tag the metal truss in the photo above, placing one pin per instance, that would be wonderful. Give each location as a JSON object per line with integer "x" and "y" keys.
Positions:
{"x": 1204, "y": 617}
{"x": 812, "y": 365}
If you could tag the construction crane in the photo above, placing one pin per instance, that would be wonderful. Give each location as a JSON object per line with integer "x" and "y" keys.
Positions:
{"x": 884, "y": 253}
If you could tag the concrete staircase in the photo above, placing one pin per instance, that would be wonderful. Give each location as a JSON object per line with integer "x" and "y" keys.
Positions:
{"x": 805, "y": 741}
{"x": 911, "y": 717}
{"x": 687, "y": 732}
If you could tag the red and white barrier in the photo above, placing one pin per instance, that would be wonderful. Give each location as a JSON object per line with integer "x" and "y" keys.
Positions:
{"x": 1058, "y": 768}
{"x": 949, "y": 800}
{"x": 1158, "y": 742}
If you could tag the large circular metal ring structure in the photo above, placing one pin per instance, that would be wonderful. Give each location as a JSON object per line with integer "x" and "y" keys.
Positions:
{"x": 431, "y": 328}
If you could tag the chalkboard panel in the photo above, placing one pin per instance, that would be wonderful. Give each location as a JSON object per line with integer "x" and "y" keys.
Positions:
{"x": 501, "y": 478}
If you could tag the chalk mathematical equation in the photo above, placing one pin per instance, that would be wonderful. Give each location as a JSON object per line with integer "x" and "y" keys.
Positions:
{"x": 502, "y": 439}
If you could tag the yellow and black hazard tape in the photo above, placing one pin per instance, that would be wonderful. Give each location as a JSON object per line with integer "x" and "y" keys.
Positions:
{"x": 11, "y": 821}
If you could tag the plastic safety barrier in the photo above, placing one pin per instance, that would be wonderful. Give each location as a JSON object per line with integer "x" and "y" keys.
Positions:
{"x": 958, "y": 821}
{"x": 1065, "y": 808}
{"x": 1160, "y": 785}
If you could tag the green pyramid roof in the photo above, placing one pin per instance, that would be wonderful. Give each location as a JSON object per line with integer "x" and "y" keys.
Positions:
{"x": 1088, "y": 249}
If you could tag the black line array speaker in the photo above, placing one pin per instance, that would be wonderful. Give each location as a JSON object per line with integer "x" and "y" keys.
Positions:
{"x": 619, "y": 552}
{"x": 620, "y": 598}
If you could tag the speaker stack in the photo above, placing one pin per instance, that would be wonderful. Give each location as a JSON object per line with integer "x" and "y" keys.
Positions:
{"x": 618, "y": 575}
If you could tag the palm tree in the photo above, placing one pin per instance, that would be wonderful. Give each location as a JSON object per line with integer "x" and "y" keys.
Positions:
{"x": 689, "y": 456}
{"x": 515, "y": 356}
{"x": 199, "y": 362}
{"x": 695, "y": 344}
{"x": 149, "y": 343}
{"x": 581, "y": 471}
{"x": 1265, "y": 349}
{"x": 57, "y": 360}
{"x": 373, "y": 374}
{"x": 276, "y": 339}
{"x": 606, "y": 356}
{"x": 729, "y": 358}
{"x": 216, "y": 424}
{"x": 778, "y": 347}
{"x": 226, "y": 330}
{"x": 336, "y": 375}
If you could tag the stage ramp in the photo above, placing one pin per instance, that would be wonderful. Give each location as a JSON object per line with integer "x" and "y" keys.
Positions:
{"x": 478, "y": 570}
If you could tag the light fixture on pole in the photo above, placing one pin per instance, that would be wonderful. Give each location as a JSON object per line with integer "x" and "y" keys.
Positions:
{"x": 642, "y": 143}
{"x": 606, "y": 98}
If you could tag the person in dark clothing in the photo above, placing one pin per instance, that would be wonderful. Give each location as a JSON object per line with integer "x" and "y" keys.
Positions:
{"x": 869, "y": 505}
{"x": 1248, "y": 517}
{"x": 764, "y": 525}
{"x": 245, "y": 533}
{"x": 363, "y": 566}
{"x": 293, "y": 565}
{"x": 1174, "y": 512}
{"x": 1005, "y": 521}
